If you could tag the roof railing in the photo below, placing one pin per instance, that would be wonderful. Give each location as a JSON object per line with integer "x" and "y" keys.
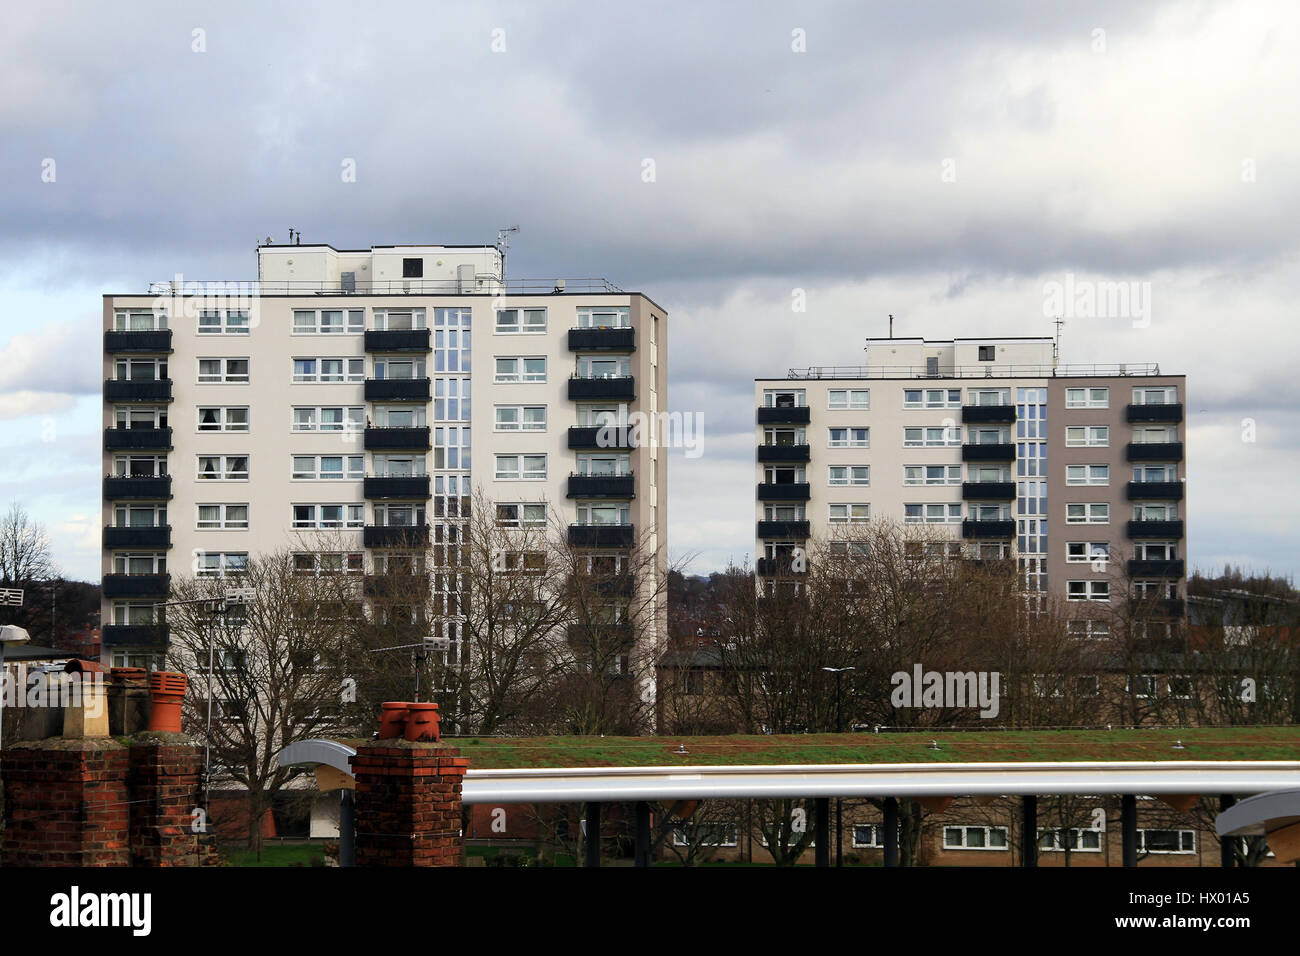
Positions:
{"x": 974, "y": 371}
{"x": 480, "y": 285}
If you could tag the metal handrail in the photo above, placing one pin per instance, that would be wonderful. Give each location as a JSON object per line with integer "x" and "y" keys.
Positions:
{"x": 974, "y": 371}
{"x": 483, "y": 284}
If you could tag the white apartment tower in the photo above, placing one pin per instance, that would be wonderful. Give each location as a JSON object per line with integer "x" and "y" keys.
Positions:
{"x": 368, "y": 393}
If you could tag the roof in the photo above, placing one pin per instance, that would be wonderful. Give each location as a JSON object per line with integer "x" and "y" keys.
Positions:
{"x": 37, "y": 652}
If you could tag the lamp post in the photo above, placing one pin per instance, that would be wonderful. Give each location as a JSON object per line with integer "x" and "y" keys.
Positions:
{"x": 839, "y": 803}
{"x": 9, "y": 634}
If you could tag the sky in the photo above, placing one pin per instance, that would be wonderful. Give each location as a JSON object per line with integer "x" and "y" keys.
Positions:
{"x": 779, "y": 176}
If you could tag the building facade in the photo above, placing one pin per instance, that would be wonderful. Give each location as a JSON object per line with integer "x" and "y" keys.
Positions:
{"x": 1076, "y": 472}
{"x": 367, "y": 393}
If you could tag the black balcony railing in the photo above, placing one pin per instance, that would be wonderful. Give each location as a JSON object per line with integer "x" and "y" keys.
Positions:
{"x": 784, "y": 415}
{"x": 601, "y": 535}
{"x": 138, "y": 537}
{"x": 988, "y": 414}
{"x": 995, "y": 528}
{"x": 138, "y": 390}
{"x": 396, "y": 584}
{"x": 988, "y": 451}
{"x": 777, "y": 567}
{"x": 784, "y": 529}
{"x": 601, "y": 486}
{"x": 1171, "y": 530}
{"x": 395, "y": 536}
{"x": 118, "y": 488}
{"x": 600, "y": 436}
{"x": 1155, "y": 491}
{"x": 784, "y": 453}
{"x": 398, "y": 439}
{"x": 398, "y": 340}
{"x": 988, "y": 490}
{"x": 1142, "y": 606}
{"x": 398, "y": 389}
{"x": 141, "y": 341}
{"x": 406, "y": 486}
{"x": 789, "y": 491}
{"x": 1170, "y": 413}
{"x": 137, "y": 439}
{"x": 1142, "y": 568}
{"x": 1155, "y": 451}
{"x": 137, "y": 585}
{"x": 135, "y": 635}
{"x": 602, "y": 340}
{"x": 621, "y": 387}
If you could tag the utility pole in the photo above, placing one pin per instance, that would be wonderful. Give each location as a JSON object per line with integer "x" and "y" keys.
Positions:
{"x": 839, "y": 729}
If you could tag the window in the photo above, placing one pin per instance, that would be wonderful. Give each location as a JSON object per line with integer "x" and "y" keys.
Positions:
{"x": 1087, "y": 435}
{"x": 932, "y": 475}
{"x": 1076, "y": 840}
{"x": 328, "y": 467}
{"x": 594, "y": 465}
{"x": 150, "y": 563}
{"x": 139, "y": 516}
{"x": 604, "y": 513}
{"x": 868, "y": 835}
{"x": 850, "y": 437}
{"x": 214, "y": 563}
{"x": 521, "y": 321}
{"x": 399, "y": 516}
{"x": 318, "y": 370}
{"x": 603, "y": 366}
{"x": 931, "y": 398}
{"x": 604, "y": 317}
{"x": 520, "y": 369}
{"x": 990, "y": 396}
{"x": 849, "y": 398}
{"x": 223, "y": 322}
{"x": 223, "y": 467}
{"x": 1087, "y": 590}
{"x": 1141, "y": 685}
{"x": 854, "y": 549}
{"x": 1155, "y": 550}
{"x": 1155, "y": 512}
{"x": 521, "y": 515}
{"x": 412, "y": 268}
{"x": 1155, "y": 473}
{"x": 399, "y": 466}
{"x": 784, "y": 398}
{"x": 1084, "y": 552}
{"x": 773, "y": 436}
{"x": 1167, "y": 395}
{"x": 1166, "y": 841}
{"x": 139, "y": 321}
{"x": 514, "y": 418}
{"x": 1155, "y": 434}
{"x": 400, "y": 320}
{"x": 223, "y": 418}
{"x": 931, "y": 513}
{"x": 329, "y": 516}
{"x": 140, "y": 416}
{"x": 1087, "y": 398}
{"x": 329, "y": 562}
{"x": 1087, "y": 513}
{"x": 223, "y": 516}
{"x": 975, "y": 838}
{"x": 140, "y": 370}
{"x": 1087, "y": 474}
{"x": 140, "y": 466}
{"x": 849, "y": 514}
{"x": 987, "y": 353}
{"x": 705, "y": 834}
{"x": 223, "y": 370}
{"x": 517, "y": 467}
{"x": 850, "y": 475}
{"x": 399, "y": 369}
{"x": 328, "y": 418}
{"x": 396, "y": 416}
{"x": 932, "y": 437}
{"x": 328, "y": 321}
{"x": 1094, "y": 630}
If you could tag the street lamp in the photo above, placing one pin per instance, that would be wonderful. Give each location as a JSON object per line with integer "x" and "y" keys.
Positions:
{"x": 9, "y": 634}
{"x": 839, "y": 802}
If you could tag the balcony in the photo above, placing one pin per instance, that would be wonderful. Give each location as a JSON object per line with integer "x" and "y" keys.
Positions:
{"x": 988, "y": 414}
{"x": 601, "y": 535}
{"x": 398, "y": 390}
{"x": 398, "y": 340}
{"x": 784, "y": 453}
{"x": 1158, "y": 607}
{"x": 137, "y": 585}
{"x": 138, "y": 390}
{"x": 600, "y": 436}
{"x": 1155, "y": 451}
{"x": 621, "y": 387}
{"x": 139, "y": 342}
{"x": 784, "y": 415}
{"x": 395, "y": 536}
{"x": 611, "y": 634}
{"x": 1169, "y": 530}
{"x": 988, "y": 490}
{"x": 1155, "y": 569}
{"x": 135, "y": 635}
{"x": 1170, "y": 413}
{"x": 773, "y": 567}
{"x": 138, "y": 537}
{"x": 799, "y": 529}
{"x": 137, "y": 439}
{"x": 1155, "y": 491}
{"x": 396, "y": 584}
{"x": 397, "y": 439}
{"x": 601, "y": 486}
{"x": 406, "y": 486}
{"x": 999, "y": 528}
{"x": 602, "y": 339}
{"x": 991, "y": 451}
{"x": 149, "y": 489}
{"x": 789, "y": 491}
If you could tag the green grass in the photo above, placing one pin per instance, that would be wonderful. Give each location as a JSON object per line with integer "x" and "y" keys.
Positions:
{"x": 276, "y": 854}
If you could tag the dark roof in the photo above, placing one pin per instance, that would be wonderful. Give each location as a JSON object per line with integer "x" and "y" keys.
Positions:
{"x": 36, "y": 652}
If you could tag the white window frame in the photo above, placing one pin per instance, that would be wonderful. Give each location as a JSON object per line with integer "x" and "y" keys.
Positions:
{"x": 224, "y": 522}
{"x": 1090, "y": 476}
{"x": 1089, "y": 554}
{"x": 354, "y": 468}
{"x": 520, "y": 326}
{"x": 354, "y": 418}
{"x": 224, "y": 471}
{"x": 354, "y": 322}
{"x": 951, "y": 475}
{"x": 858, "y": 399}
{"x": 223, "y": 324}
{"x": 354, "y": 369}
{"x": 1089, "y": 399}
{"x": 521, "y": 423}
{"x": 224, "y": 377}
{"x": 1093, "y": 436}
{"x": 965, "y": 837}
{"x": 519, "y": 472}
{"x": 520, "y": 375}
{"x": 848, "y": 513}
{"x": 223, "y": 418}
{"x": 353, "y": 515}
{"x": 853, "y": 475}
{"x": 1093, "y": 590}
{"x": 1094, "y": 512}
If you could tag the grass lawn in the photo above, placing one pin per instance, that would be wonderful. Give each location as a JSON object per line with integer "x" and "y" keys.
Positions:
{"x": 276, "y": 854}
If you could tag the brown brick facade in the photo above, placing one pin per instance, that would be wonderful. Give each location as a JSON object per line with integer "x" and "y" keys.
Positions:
{"x": 408, "y": 804}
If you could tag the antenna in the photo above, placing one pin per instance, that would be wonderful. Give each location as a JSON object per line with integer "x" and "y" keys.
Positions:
{"x": 891, "y": 325}
{"x": 1056, "y": 342}
{"x": 503, "y": 243}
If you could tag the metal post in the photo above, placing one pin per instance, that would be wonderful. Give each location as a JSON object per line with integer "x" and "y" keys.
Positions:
{"x": 347, "y": 829}
{"x": 891, "y": 831}
{"x": 822, "y": 836}
{"x": 592, "y": 846}
{"x": 207, "y": 735}
{"x": 1029, "y": 850}
{"x": 839, "y": 832}
{"x": 1227, "y": 849}
{"x": 1129, "y": 828}
{"x": 642, "y": 833}
{"x": 3, "y": 677}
